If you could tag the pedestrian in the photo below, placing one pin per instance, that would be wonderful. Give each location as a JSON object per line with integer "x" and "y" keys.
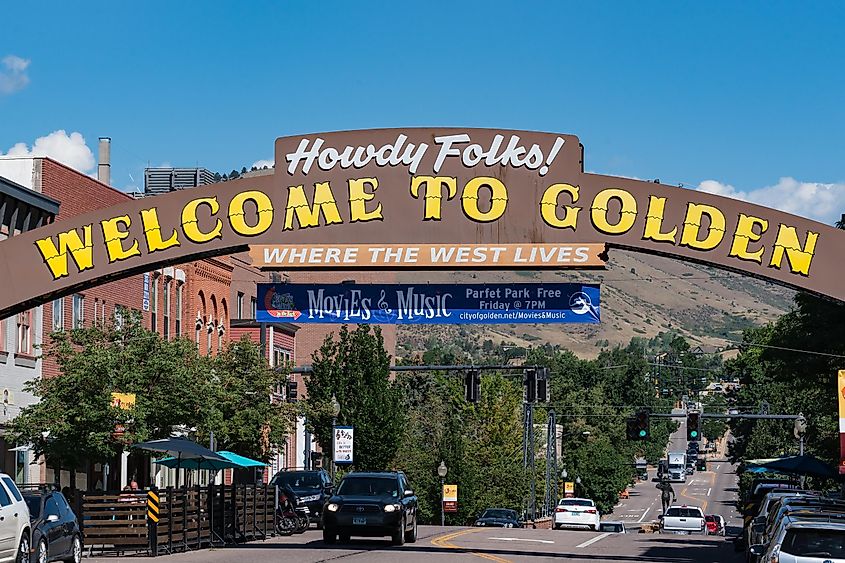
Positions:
{"x": 667, "y": 493}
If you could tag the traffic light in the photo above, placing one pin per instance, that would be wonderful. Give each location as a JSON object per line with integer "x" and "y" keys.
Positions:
{"x": 638, "y": 427}
{"x": 530, "y": 379}
{"x": 292, "y": 392}
{"x": 543, "y": 385}
{"x": 316, "y": 459}
{"x": 472, "y": 385}
{"x": 693, "y": 427}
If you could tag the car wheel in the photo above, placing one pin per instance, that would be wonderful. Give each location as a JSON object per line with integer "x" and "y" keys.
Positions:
{"x": 343, "y": 538}
{"x": 411, "y": 537}
{"x": 41, "y": 554}
{"x": 23, "y": 550}
{"x": 399, "y": 534}
{"x": 557, "y": 526}
{"x": 329, "y": 536}
{"x": 75, "y": 550}
{"x": 593, "y": 528}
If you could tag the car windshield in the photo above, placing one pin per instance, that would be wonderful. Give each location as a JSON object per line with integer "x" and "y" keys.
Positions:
{"x": 369, "y": 487}
{"x": 298, "y": 480}
{"x": 499, "y": 513}
{"x": 34, "y": 504}
{"x": 806, "y": 542}
{"x": 575, "y": 502}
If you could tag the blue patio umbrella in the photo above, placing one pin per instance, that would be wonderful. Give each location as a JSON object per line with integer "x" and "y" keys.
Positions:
{"x": 182, "y": 449}
{"x": 230, "y": 460}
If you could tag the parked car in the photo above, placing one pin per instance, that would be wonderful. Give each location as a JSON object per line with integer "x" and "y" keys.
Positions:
{"x": 577, "y": 512}
{"x": 499, "y": 518}
{"x": 683, "y": 519}
{"x": 56, "y": 535}
{"x": 772, "y": 508}
{"x": 371, "y": 504}
{"x": 804, "y": 540}
{"x": 616, "y": 527}
{"x": 15, "y": 536}
{"x": 312, "y": 488}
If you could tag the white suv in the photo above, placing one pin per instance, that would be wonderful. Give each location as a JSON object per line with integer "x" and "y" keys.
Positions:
{"x": 14, "y": 523}
{"x": 577, "y": 512}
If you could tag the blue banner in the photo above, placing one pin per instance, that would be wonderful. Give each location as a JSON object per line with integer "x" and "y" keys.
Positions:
{"x": 504, "y": 303}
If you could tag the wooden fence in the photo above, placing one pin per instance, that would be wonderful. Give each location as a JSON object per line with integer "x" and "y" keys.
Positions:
{"x": 189, "y": 518}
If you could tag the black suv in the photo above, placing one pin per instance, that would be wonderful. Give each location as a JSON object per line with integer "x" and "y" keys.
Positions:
{"x": 372, "y": 504}
{"x": 311, "y": 487}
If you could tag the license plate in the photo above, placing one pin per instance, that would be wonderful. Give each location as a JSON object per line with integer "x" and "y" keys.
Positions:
{"x": 359, "y": 520}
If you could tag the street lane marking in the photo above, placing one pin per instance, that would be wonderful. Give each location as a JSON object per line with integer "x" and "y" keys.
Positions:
{"x": 522, "y": 539}
{"x": 643, "y": 516}
{"x": 708, "y": 491}
{"x": 445, "y": 541}
{"x": 593, "y": 540}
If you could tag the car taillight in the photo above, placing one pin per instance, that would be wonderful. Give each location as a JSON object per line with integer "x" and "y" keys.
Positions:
{"x": 590, "y": 511}
{"x": 559, "y": 509}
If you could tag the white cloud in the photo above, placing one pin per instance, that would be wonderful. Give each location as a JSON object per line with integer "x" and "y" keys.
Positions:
{"x": 815, "y": 200}
{"x": 262, "y": 163}
{"x": 70, "y": 150}
{"x": 13, "y": 76}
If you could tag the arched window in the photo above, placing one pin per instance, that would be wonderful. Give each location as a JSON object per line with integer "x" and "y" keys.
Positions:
{"x": 200, "y": 317}
{"x": 210, "y": 322}
{"x": 222, "y": 324}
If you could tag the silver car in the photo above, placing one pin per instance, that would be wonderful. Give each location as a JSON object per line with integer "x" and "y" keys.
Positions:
{"x": 816, "y": 539}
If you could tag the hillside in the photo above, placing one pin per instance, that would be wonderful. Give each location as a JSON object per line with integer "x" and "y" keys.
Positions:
{"x": 642, "y": 295}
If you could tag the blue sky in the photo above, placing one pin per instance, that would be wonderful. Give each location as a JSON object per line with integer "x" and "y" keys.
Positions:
{"x": 737, "y": 94}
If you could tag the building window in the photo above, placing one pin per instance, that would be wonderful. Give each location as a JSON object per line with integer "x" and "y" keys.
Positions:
{"x": 281, "y": 357}
{"x": 166, "y": 331}
{"x": 240, "y": 305}
{"x": 178, "y": 309}
{"x": 103, "y": 312}
{"x": 96, "y": 310}
{"x": 25, "y": 333}
{"x": 58, "y": 314}
{"x": 210, "y": 333}
{"x": 2, "y": 335}
{"x": 252, "y": 304}
{"x": 78, "y": 314}
{"x": 154, "y": 314}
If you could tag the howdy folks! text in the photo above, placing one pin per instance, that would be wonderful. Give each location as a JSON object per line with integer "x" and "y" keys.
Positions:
{"x": 483, "y": 199}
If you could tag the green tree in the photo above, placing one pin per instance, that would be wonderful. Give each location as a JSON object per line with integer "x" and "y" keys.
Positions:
{"x": 241, "y": 413}
{"x": 355, "y": 368}
{"x": 74, "y": 421}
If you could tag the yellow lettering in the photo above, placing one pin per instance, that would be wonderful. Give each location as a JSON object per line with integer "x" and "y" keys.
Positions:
{"x": 627, "y": 213}
{"x": 80, "y": 248}
{"x": 433, "y": 193}
{"x": 113, "y": 234}
{"x": 190, "y": 221}
{"x": 787, "y": 243}
{"x": 745, "y": 235}
{"x": 654, "y": 221}
{"x": 358, "y": 198}
{"x": 308, "y": 215}
{"x": 498, "y": 199}
{"x": 152, "y": 232}
{"x": 264, "y": 210}
{"x": 692, "y": 227}
{"x": 548, "y": 206}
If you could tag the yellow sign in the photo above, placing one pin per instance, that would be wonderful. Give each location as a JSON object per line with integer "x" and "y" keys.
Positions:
{"x": 569, "y": 488}
{"x": 123, "y": 401}
{"x": 450, "y": 493}
{"x": 841, "y": 394}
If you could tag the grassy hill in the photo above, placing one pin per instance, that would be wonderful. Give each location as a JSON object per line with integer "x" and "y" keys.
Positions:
{"x": 641, "y": 295}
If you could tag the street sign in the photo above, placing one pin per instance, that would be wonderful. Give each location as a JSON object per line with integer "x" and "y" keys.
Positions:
{"x": 344, "y": 438}
{"x": 450, "y": 498}
{"x": 569, "y": 489}
{"x": 124, "y": 401}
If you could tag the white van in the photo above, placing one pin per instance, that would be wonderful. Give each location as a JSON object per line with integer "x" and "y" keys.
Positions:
{"x": 14, "y": 523}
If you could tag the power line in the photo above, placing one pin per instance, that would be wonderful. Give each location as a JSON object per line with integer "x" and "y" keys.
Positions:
{"x": 783, "y": 348}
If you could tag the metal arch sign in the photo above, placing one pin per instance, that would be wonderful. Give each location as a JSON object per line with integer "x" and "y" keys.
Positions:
{"x": 472, "y": 189}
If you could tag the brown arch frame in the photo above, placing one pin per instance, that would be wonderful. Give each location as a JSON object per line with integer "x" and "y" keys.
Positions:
{"x": 421, "y": 186}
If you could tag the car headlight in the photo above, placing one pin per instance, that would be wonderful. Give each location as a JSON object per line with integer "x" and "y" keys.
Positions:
{"x": 332, "y": 507}
{"x": 391, "y": 507}
{"x": 479, "y": 523}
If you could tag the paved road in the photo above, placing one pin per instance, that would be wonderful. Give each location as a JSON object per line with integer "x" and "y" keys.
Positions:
{"x": 713, "y": 489}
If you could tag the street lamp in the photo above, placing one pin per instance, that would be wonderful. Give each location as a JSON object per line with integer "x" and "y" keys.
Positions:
{"x": 563, "y": 475}
{"x": 335, "y": 413}
{"x": 577, "y": 484}
{"x": 442, "y": 470}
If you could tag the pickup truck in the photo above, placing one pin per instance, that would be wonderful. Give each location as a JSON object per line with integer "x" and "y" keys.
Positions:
{"x": 683, "y": 519}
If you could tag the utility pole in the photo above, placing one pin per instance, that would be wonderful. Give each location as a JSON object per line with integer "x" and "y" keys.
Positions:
{"x": 528, "y": 455}
{"x": 551, "y": 464}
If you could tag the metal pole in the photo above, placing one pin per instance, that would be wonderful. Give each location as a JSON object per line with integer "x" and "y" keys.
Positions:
{"x": 334, "y": 423}
{"x": 442, "y": 504}
{"x": 551, "y": 463}
{"x": 531, "y": 456}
